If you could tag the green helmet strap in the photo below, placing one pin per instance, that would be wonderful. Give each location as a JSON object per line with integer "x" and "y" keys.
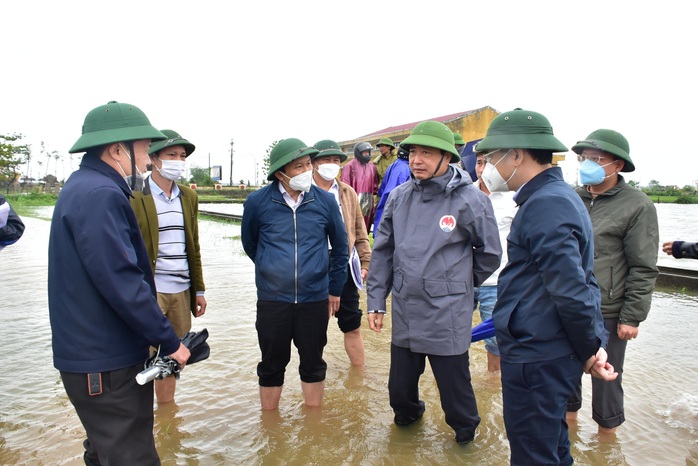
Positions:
{"x": 133, "y": 165}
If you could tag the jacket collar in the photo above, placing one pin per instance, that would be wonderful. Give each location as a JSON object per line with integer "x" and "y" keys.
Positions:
{"x": 93, "y": 162}
{"x": 447, "y": 182}
{"x": 584, "y": 192}
{"x": 548, "y": 175}
{"x": 277, "y": 196}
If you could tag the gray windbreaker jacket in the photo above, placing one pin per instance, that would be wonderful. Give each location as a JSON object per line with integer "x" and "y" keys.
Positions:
{"x": 437, "y": 240}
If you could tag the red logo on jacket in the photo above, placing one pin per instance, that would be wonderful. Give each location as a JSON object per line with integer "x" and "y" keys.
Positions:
{"x": 447, "y": 223}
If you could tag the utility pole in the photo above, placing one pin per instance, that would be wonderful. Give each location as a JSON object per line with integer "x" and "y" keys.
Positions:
{"x": 231, "y": 162}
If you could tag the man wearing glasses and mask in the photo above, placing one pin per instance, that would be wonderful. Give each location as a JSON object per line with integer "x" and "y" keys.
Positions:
{"x": 626, "y": 235}
{"x": 547, "y": 316}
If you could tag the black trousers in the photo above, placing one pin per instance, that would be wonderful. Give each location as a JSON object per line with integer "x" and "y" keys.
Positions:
{"x": 349, "y": 315}
{"x": 119, "y": 421}
{"x": 278, "y": 324}
{"x": 452, "y": 374}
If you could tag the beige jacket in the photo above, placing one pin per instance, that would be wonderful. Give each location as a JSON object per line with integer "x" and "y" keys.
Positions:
{"x": 354, "y": 223}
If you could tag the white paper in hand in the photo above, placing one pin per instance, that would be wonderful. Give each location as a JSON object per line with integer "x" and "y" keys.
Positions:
{"x": 355, "y": 268}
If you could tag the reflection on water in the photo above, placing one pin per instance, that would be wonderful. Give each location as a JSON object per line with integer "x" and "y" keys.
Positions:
{"x": 216, "y": 418}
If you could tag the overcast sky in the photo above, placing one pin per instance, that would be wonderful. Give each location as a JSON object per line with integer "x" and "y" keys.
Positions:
{"x": 260, "y": 71}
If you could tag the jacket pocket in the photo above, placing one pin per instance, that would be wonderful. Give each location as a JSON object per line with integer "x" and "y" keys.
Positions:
{"x": 438, "y": 288}
{"x": 398, "y": 280}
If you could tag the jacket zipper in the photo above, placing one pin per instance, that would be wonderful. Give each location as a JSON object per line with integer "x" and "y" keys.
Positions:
{"x": 295, "y": 259}
{"x": 610, "y": 285}
{"x": 295, "y": 246}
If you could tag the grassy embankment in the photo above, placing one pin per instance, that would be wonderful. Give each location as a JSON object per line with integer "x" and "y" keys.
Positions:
{"x": 25, "y": 203}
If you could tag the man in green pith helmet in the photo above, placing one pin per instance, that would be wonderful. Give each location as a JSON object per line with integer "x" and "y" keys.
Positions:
{"x": 437, "y": 240}
{"x": 387, "y": 156}
{"x": 547, "y": 316}
{"x": 167, "y": 214}
{"x": 102, "y": 302}
{"x": 326, "y": 165}
{"x": 285, "y": 229}
{"x": 626, "y": 234}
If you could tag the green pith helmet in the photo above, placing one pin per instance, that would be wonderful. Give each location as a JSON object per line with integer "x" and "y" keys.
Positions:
{"x": 286, "y": 151}
{"x": 173, "y": 139}
{"x": 458, "y": 139}
{"x": 328, "y": 147}
{"x": 386, "y": 142}
{"x": 115, "y": 122}
{"x": 609, "y": 141}
{"x": 520, "y": 129}
{"x": 433, "y": 134}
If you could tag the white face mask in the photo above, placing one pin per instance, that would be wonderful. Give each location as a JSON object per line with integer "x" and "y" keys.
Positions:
{"x": 172, "y": 169}
{"x": 493, "y": 180}
{"x": 300, "y": 182}
{"x": 328, "y": 171}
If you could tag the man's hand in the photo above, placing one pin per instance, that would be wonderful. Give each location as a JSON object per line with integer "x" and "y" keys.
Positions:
{"x": 364, "y": 275}
{"x": 181, "y": 355}
{"x": 599, "y": 367}
{"x": 375, "y": 321}
{"x": 666, "y": 247}
{"x": 200, "y": 306}
{"x": 333, "y": 305}
{"x": 627, "y": 332}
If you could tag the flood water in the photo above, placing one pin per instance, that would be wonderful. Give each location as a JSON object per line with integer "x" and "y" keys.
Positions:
{"x": 216, "y": 419}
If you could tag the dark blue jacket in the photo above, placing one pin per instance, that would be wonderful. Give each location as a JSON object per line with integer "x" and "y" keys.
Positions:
{"x": 12, "y": 231}
{"x": 102, "y": 305}
{"x": 289, "y": 249}
{"x": 548, "y": 302}
{"x": 397, "y": 173}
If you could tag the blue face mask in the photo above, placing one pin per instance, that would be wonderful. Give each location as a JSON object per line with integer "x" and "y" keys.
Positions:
{"x": 591, "y": 173}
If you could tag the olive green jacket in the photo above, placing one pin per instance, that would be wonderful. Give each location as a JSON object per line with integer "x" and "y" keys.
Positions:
{"x": 147, "y": 216}
{"x": 626, "y": 243}
{"x": 382, "y": 164}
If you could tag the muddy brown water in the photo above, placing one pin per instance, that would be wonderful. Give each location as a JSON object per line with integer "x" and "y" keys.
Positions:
{"x": 216, "y": 418}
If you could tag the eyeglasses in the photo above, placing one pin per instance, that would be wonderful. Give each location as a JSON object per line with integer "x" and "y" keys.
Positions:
{"x": 488, "y": 156}
{"x": 592, "y": 157}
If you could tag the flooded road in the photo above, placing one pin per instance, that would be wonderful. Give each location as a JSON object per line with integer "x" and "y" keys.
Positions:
{"x": 216, "y": 419}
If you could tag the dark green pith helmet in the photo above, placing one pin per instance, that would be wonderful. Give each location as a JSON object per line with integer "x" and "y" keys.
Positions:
{"x": 520, "y": 129}
{"x": 328, "y": 147}
{"x": 115, "y": 122}
{"x": 286, "y": 151}
{"x": 458, "y": 139}
{"x": 173, "y": 139}
{"x": 609, "y": 141}
{"x": 386, "y": 142}
{"x": 433, "y": 134}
